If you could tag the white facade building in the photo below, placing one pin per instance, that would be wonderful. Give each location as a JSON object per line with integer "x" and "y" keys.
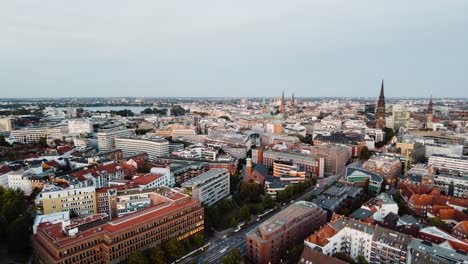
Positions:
{"x": 450, "y": 163}
{"x": 381, "y": 205}
{"x": 106, "y": 137}
{"x": 76, "y": 127}
{"x": 28, "y": 135}
{"x": 154, "y": 146}
{"x": 208, "y": 187}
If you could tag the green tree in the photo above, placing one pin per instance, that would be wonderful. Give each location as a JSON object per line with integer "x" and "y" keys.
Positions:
{"x": 233, "y": 222}
{"x": 177, "y": 110}
{"x": 362, "y": 260}
{"x": 260, "y": 208}
{"x": 365, "y": 153}
{"x": 268, "y": 201}
{"x": 174, "y": 248}
{"x": 245, "y": 213}
{"x": 42, "y": 142}
{"x": 157, "y": 255}
{"x": 234, "y": 257}
{"x": 137, "y": 257}
{"x": 198, "y": 240}
{"x": 294, "y": 253}
{"x": 3, "y": 142}
{"x": 282, "y": 196}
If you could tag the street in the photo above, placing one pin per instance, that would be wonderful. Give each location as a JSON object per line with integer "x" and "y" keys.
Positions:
{"x": 222, "y": 246}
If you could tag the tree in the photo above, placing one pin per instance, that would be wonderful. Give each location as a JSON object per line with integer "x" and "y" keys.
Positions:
{"x": 177, "y": 110}
{"x": 437, "y": 222}
{"x": 365, "y": 153}
{"x": 260, "y": 208}
{"x": 137, "y": 257}
{"x": 198, "y": 240}
{"x": 343, "y": 256}
{"x": 362, "y": 260}
{"x": 3, "y": 142}
{"x": 294, "y": 253}
{"x": 233, "y": 222}
{"x": 42, "y": 142}
{"x": 157, "y": 255}
{"x": 73, "y": 214}
{"x": 268, "y": 201}
{"x": 282, "y": 196}
{"x": 174, "y": 248}
{"x": 302, "y": 138}
{"x": 234, "y": 257}
{"x": 245, "y": 213}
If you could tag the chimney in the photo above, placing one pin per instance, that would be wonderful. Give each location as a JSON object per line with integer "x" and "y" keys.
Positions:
{"x": 248, "y": 168}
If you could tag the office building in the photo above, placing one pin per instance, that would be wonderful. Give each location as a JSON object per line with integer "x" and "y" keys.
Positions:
{"x": 28, "y": 135}
{"x": 95, "y": 240}
{"x": 208, "y": 187}
{"x": 106, "y": 136}
{"x": 80, "y": 126}
{"x": 269, "y": 242}
{"x": 154, "y": 146}
{"x": 7, "y": 124}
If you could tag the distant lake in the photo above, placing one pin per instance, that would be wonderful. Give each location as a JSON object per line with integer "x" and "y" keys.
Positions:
{"x": 134, "y": 109}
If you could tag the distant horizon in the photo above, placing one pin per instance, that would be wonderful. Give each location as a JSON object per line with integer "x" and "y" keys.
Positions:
{"x": 206, "y": 48}
{"x": 230, "y": 97}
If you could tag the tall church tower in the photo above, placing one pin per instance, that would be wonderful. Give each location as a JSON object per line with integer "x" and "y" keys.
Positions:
{"x": 283, "y": 106}
{"x": 380, "y": 116}
{"x": 429, "y": 113}
{"x": 292, "y": 105}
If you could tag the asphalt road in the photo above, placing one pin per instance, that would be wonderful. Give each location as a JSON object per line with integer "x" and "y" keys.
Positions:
{"x": 223, "y": 246}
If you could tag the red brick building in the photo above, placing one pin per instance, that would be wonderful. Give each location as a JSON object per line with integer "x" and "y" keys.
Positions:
{"x": 174, "y": 215}
{"x": 270, "y": 241}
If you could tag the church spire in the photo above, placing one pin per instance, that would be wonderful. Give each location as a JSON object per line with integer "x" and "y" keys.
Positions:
{"x": 292, "y": 104}
{"x": 381, "y": 108}
{"x": 283, "y": 106}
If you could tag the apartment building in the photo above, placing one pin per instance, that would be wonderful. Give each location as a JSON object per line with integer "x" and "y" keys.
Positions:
{"x": 53, "y": 199}
{"x": 356, "y": 238}
{"x": 387, "y": 167}
{"x": 154, "y": 146}
{"x": 94, "y": 240}
{"x": 208, "y": 187}
{"x": 452, "y": 185}
{"x": 312, "y": 166}
{"x": 269, "y": 242}
{"x": 449, "y": 163}
{"x": 381, "y": 206}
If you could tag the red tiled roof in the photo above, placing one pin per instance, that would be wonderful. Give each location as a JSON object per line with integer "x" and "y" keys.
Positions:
{"x": 110, "y": 168}
{"x": 4, "y": 169}
{"x": 54, "y": 233}
{"x": 147, "y": 178}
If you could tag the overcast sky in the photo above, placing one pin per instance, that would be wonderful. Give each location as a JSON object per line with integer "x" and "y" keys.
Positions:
{"x": 233, "y": 48}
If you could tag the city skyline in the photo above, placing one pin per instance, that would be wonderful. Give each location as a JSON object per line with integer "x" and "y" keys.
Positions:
{"x": 317, "y": 49}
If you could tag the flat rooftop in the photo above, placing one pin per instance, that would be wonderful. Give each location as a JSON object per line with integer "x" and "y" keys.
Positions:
{"x": 203, "y": 177}
{"x": 281, "y": 219}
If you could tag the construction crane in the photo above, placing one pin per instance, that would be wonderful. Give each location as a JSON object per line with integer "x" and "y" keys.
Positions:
{"x": 407, "y": 153}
